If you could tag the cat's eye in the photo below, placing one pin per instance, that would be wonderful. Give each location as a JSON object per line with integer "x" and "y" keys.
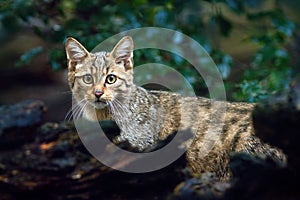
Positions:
{"x": 88, "y": 79}
{"x": 110, "y": 79}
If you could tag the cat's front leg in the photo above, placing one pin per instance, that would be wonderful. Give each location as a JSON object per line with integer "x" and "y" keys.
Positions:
{"x": 119, "y": 139}
{"x": 124, "y": 143}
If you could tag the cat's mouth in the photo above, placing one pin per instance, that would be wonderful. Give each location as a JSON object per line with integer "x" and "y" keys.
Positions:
{"x": 99, "y": 104}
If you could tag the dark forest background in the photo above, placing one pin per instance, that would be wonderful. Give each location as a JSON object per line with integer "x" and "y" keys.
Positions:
{"x": 254, "y": 43}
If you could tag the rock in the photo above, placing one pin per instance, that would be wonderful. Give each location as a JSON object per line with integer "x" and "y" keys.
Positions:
{"x": 206, "y": 187}
{"x": 258, "y": 178}
{"x": 24, "y": 114}
{"x": 56, "y": 165}
{"x": 18, "y": 121}
{"x": 279, "y": 125}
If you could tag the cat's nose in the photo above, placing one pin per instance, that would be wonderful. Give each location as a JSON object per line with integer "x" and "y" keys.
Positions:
{"x": 98, "y": 93}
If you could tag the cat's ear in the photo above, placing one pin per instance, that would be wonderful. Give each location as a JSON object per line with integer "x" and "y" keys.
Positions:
{"x": 123, "y": 52}
{"x": 75, "y": 52}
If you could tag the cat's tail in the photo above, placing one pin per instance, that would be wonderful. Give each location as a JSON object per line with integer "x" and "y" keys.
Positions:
{"x": 258, "y": 148}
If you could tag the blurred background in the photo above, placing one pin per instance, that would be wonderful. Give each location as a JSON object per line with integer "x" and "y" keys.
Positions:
{"x": 255, "y": 44}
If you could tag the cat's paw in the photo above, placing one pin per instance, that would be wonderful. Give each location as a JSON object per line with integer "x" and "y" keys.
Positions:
{"x": 119, "y": 139}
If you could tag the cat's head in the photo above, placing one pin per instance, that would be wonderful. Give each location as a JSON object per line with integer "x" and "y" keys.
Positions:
{"x": 98, "y": 78}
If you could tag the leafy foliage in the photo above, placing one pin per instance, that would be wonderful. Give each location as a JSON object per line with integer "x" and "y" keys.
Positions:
{"x": 26, "y": 57}
{"x": 92, "y": 21}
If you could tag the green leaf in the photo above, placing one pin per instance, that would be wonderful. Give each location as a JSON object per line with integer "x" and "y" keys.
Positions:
{"x": 252, "y": 91}
{"x": 56, "y": 56}
{"x": 27, "y": 57}
{"x": 9, "y": 22}
{"x": 55, "y": 65}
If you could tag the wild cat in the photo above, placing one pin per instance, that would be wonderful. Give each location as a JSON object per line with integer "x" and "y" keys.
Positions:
{"x": 102, "y": 84}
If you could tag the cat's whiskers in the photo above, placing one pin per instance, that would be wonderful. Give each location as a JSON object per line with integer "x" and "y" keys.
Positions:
{"x": 122, "y": 110}
{"x": 70, "y": 113}
{"x": 74, "y": 109}
{"x": 121, "y": 115}
{"x": 79, "y": 112}
{"x": 66, "y": 92}
{"x": 121, "y": 106}
{"x": 117, "y": 110}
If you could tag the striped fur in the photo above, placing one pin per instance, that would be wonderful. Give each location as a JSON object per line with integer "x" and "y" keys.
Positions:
{"x": 147, "y": 117}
